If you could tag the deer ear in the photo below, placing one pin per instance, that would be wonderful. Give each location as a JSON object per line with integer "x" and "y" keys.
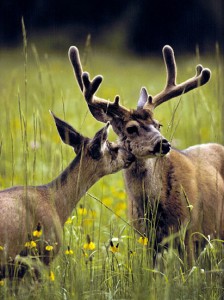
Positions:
{"x": 98, "y": 142}
{"x": 69, "y": 135}
{"x": 142, "y": 98}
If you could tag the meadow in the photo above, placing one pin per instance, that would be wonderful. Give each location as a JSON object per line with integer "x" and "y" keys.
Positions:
{"x": 102, "y": 255}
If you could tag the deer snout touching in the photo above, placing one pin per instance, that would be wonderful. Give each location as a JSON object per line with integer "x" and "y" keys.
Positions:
{"x": 125, "y": 155}
{"x": 129, "y": 158}
{"x": 162, "y": 147}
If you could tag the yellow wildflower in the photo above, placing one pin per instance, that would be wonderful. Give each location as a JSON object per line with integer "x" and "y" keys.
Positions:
{"x": 38, "y": 231}
{"x": 114, "y": 248}
{"x": 143, "y": 240}
{"x": 120, "y": 208}
{"x": 1, "y": 248}
{"x": 89, "y": 245}
{"x": 30, "y": 244}
{"x": 2, "y": 282}
{"x": 107, "y": 201}
{"x": 49, "y": 248}
{"x": 52, "y": 276}
{"x": 119, "y": 194}
{"x": 69, "y": 251}
{"x": 82, "y": 211}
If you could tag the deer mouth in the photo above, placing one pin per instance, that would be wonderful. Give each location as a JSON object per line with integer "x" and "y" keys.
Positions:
{"x": 161, "y": 148}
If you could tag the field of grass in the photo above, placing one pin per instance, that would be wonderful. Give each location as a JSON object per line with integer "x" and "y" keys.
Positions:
{"x": 34, "y": 79}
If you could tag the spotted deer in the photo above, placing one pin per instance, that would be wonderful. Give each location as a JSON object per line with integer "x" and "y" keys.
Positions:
{"x": 47, "y": 207}
{"x": 167, "y": 189}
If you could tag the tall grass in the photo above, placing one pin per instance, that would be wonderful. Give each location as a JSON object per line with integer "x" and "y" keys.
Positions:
{"x": 32, "y": 82}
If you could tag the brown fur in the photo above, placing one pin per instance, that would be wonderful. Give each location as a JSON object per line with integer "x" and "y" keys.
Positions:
{"x": 189, "y": 186}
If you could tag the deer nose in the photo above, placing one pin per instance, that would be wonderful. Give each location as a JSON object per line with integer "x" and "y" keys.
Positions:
{"x": 162, "y": 147}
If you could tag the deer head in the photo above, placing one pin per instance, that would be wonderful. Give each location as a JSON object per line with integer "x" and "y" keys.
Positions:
{"x": 138, "y": 128}
{"x": 110, "y": 157}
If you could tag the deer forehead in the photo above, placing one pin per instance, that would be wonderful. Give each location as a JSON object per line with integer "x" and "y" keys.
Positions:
{"x": 140, "y": 123}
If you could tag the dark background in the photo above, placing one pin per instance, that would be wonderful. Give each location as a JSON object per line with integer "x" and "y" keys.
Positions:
{"x": 146, "y": 25}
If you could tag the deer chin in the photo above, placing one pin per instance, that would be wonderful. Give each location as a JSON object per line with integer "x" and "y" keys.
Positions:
{"x": 146, "y": 156}
{"x": 162, "y": 153}
{"x": 151, "y": 154}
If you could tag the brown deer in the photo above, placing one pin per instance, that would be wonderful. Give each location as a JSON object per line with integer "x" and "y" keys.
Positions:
{"x": 48, "y": 206}
{"x": 167, "y": 189}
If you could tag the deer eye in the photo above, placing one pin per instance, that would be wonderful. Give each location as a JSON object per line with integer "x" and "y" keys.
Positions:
{"x": 132, "y": 129}
{"x": 157, "y": 125}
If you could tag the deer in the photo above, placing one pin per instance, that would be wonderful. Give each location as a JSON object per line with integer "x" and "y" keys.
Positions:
{"x": 45, "y": 208}
{"x": 168, "y": 189}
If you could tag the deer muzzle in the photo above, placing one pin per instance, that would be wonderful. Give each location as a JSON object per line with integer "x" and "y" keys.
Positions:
{"x": 162, "y": 147}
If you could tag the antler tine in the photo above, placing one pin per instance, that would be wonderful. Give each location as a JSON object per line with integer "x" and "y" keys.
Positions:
{"x": 73, "y": 54}
{"x": 172, "y": 89}
{"x": 170, "y": 63}
{"x": 91, "y": 86}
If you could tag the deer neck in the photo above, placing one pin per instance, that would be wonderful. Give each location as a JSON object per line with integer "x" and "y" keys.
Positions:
{"x": 69, "y": 187}
{"x": 143, "y": 178}
{"x": 144, "y": 186}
